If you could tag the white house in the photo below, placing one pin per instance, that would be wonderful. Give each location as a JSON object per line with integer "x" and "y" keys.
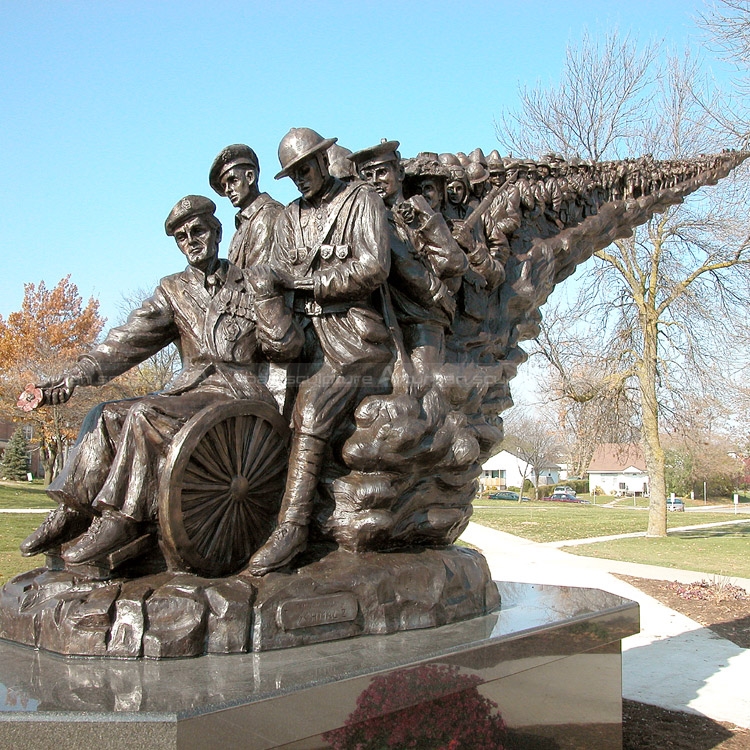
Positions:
{"x": 505, "y": 469}
{"x": 619, "y": 469}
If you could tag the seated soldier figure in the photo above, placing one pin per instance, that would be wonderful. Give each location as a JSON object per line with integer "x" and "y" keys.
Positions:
{"x": 222, "y": 320}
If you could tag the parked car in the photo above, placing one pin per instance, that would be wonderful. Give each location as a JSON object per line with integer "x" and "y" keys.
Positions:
{"x": 564, "y": 489}
{"x": 675, "y": 503}
{"x": 504, "y": 495}
{"x": 562, "y": 497}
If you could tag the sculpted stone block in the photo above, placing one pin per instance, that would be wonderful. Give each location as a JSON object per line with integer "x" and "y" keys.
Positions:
{"x": 229, "y": 616}
{"x": 176, "y": 622}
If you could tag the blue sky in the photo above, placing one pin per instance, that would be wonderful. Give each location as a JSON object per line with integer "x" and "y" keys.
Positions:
{"x": 112, "y": 111}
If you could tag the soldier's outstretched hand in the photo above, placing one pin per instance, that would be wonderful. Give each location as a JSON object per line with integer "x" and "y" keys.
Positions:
{"x": 58, "y": 389}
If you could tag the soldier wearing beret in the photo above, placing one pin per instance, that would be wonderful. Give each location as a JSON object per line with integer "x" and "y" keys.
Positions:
{"x": 235, "y": 174}
{"x": 222, "y": 322}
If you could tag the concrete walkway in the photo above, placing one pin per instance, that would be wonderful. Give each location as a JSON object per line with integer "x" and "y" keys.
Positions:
{"x": 674, "y": 662}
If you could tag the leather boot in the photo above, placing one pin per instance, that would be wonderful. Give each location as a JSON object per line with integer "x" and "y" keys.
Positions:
{"x": 106, "y": 534}
{"x": 60, "y": 526}
{"x": 290, "y": 536}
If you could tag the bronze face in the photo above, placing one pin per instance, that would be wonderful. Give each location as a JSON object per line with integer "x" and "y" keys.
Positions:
{"x": 239, "y": 186}
{"x": 309, "y": 177}
{"x": 199, "y": 241}
{"x": 456, "y": 192}
{"x": 386, "y": 178}
{"x": 432, "y": 190}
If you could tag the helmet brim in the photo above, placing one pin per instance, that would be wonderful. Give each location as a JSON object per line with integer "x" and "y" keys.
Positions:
{"x": 324, "y": 145}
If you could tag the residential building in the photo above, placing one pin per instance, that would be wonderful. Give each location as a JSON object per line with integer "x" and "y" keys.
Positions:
{"x": 506, "y": 469}
{"x": 619, "y": 469}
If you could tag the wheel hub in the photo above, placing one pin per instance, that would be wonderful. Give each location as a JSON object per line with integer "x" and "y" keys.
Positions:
{"x": 239, "y": 488}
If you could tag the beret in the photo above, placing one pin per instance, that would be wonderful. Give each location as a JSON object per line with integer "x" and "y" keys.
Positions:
{"x": 187, "y": 208}
{"x": 231, "y": 156}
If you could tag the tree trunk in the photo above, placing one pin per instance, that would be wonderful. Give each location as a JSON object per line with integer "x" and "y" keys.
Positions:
{"x": 650, "y": 438}
{"x": 47, "y": 457}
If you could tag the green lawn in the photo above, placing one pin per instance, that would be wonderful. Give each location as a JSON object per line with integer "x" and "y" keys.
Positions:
{"x": 15, "y": 528}
{"x": 24, "y": 495}
{"x": 722, "y": 551}
{"x": 554, "y": 522}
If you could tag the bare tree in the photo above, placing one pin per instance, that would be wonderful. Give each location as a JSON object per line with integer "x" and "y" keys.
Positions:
{"x": 727, "y": 24}
{"x": 153, "y": 374}
{"x": 566, "y": 118}
{"x": 534, "y": 440}
{"x": 650, "y": 309}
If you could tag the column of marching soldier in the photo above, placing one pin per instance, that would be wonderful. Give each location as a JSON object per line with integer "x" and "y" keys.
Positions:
{"x": 383, "y": 265}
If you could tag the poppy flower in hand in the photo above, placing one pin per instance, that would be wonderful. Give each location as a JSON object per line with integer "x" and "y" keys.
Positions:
{"x": 30, "y": 398}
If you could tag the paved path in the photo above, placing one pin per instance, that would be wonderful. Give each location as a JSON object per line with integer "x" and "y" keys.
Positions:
{"x": 633, "y": 534}
{"x": 25, "y": 510}
{"x": 673, "y": 662}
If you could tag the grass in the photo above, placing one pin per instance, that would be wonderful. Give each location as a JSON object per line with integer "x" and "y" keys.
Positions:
{"x": 24, "y": 495}
{"x": 16, "y": 527}
{"x": 722, "y": 551}
{"x": 554, "y": 522}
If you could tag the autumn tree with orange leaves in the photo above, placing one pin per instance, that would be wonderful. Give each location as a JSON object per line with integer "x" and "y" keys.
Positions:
{"x": 39, "y": 341}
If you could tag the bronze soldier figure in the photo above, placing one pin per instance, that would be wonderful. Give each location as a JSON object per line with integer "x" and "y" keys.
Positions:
{"x": 331, "y": 249}
{"x": 235, "y": 174}
{"x": 424, "y": 260}
{"x": 209, "y": 311}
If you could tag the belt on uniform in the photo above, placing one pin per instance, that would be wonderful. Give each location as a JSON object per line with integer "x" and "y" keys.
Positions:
{"x": 311, "y": 307}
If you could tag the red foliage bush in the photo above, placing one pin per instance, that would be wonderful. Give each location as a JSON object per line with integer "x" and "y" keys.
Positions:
{"x": 432, "y": 707}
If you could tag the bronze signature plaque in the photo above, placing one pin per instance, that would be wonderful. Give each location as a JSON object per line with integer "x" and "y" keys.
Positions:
{"x": 324, "y": 610}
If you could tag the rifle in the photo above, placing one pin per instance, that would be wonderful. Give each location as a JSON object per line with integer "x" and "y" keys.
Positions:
{"x": 462, "y": 236}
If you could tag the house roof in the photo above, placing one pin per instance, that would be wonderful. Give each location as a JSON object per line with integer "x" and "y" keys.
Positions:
{"x": 618, "y": 457}
{"x": 500, "y": 459}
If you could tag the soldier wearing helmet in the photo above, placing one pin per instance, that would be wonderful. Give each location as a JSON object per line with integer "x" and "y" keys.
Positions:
{"x": 235, "y": 174}
{"x": 330, "y": 251}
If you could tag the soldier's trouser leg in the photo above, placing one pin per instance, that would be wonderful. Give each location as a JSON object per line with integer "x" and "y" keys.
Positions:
{"x": 321, "y": 403}
{"x": 305, "y": 463}
{"x": 152, "y": 422}
{"x": 90, "y": 459}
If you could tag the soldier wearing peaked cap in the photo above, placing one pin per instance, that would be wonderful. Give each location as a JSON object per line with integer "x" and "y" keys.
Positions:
{"x": 425, "y": 261}
{"x": 234, "y": 174}
{"x": 222, "y": 321}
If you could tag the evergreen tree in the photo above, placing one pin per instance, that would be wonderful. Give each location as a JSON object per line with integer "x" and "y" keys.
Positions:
{"x": 15, "y": 464}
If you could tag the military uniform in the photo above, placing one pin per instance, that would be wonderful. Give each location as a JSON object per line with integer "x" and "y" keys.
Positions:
{"x": 220, "y": 321}
{"x": 251, "y": 243}
{"x": 342, "y": 245}
{"x": 213, "y": 322}
{"x": 331, "y": 250}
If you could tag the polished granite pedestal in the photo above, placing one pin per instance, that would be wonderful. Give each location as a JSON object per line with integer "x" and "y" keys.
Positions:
{"x": 550, "y": 660}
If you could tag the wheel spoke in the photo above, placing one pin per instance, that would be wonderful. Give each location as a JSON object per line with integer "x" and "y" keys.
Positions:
{"x": 272, "y": 464}
{"x": 208, "y": 524}
{"x": 220, "y": 545}
{"x": 258, "y": 440}
{"x": 270, "y": 450}
{"x": 207, "y": 461}
{"x": 204, "y": 487}
{"x": 195, "y": 470}
{"x": 241, "y": 426}
{"x": 218, "y": 444}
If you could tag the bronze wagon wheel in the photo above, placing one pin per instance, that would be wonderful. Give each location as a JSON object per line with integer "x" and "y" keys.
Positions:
{"x": 221, "y": 491}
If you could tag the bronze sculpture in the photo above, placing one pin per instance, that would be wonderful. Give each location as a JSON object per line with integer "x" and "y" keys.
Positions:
{"x": 220, "y": 322}
{"x": 396, "y": 304}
